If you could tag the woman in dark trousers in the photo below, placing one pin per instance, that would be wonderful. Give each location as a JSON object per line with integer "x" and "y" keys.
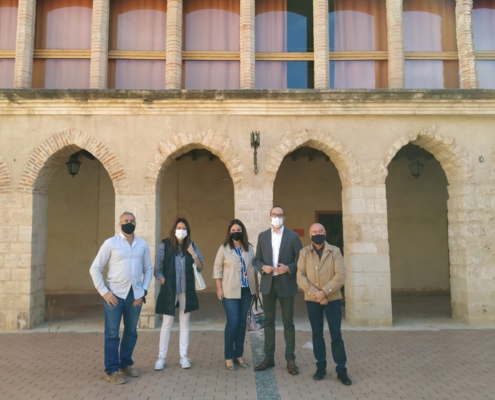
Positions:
{"x": 174, "y": 269}
{"x": 235, "y": 279}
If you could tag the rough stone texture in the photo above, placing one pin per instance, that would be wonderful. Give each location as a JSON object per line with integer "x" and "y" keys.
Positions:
{"x": 247, "y": 44}
{"x": 26, "y": 23}
{"x": 321, "y": 44}
{"x": 465, "y": 44}
{"x": 99, "y": 44}
{"x": 5, "y": 182}
{"x": 173, "y": 78}
{"x": 396, "y": 77}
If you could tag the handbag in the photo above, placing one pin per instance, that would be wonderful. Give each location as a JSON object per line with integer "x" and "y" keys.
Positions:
{"x": 199, "y": 282}
{"x": 256, "y": 316}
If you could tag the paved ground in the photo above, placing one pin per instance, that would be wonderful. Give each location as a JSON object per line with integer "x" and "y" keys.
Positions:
{"x": 445, "y": 364}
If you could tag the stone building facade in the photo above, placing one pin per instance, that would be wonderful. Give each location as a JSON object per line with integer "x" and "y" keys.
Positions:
{"x": 140, "y": 136}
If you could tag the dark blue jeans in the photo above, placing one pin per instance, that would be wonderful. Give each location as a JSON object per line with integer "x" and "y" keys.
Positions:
{"x": 113, "y": 316}
{"x": 333, "y": 313}
{"x": 235, "y": 329}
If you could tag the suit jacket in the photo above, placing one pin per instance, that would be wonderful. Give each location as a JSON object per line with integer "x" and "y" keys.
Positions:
{"x": 289, "y": 253}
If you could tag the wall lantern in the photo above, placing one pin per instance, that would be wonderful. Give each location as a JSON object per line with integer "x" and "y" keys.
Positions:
{"x": 73, "y": 165}
{"x": 416, "y": 169}
{"x": 255, "y": 144}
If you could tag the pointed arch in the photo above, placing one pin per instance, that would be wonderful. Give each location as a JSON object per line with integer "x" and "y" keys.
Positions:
{"x": 453, "y": 158}
{"x": 343, "y": 159}
{"x": 180, "y": 143}
{"x": 5, "y": 180}
{"x": 48, "y": 156}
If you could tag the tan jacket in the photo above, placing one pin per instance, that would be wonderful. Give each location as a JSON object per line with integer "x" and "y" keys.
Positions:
{"x": 227, "y": 267}
{"x": 327, "y": 274}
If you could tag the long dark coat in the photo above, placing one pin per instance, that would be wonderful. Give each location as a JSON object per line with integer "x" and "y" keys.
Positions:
{"x": 165, "y": 303}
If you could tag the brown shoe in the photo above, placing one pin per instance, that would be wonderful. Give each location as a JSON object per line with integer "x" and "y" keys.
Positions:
{"x": 265, "y": 364}
{"x": 129, "y": 371}
{"x": 115, "y": 378}
{"x": 292, "y": 367}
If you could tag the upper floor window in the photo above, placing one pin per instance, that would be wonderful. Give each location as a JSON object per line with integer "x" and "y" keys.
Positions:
{"x": 484, "y": 41}
{"x": 358, "y": 44}
{"x": 430, "y": 44}
{"x": 284, "y": 44}
{"x": 211, "y": 44}
{"x": 137, "y": 45}
{"x": 8, "y": 28}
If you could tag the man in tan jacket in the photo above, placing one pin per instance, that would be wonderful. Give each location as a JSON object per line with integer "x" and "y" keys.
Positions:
{"x": 320, "y": 274}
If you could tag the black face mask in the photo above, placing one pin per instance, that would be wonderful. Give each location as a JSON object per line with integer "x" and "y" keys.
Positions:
{"x": 236, "y": 235}
{"x": 318, "y": 239}
{"x": 128, "y": 228}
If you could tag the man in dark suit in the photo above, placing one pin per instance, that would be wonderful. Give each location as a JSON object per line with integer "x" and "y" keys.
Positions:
{"x": 276, "y": 259}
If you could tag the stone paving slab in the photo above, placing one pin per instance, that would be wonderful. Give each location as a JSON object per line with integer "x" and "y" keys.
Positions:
{"x": 449, "y": 364}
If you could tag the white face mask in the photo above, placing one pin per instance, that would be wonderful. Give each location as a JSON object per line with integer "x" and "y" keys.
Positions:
{"x": 180, "y": 233}
{"x": 277, "y": 222}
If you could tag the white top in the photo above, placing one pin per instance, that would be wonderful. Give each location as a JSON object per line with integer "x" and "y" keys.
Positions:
{"x": 276, "y": 242}
{"x": 126, "y": 266}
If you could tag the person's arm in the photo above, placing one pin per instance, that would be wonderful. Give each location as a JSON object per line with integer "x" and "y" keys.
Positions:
{"x": 302, "y": 279}
{"x": 97, "y": 267}
{"x": 160, "y": 255}
{"x": 296, "y": 247}
{"x": 218, "y": 272}
{"x": 339, "y": 278}
{"x": 258, "y": 258}
{"x": 197, "y": 258}
{"x": 147, "y": 269}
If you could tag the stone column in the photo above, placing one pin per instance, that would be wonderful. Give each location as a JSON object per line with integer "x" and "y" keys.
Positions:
{"x": 99, "y": 44}
{"x": 26, "y": 23}
{"x": 247, "y": 45}
{"x": 367, "y": 262}
{"x": 145, "y": 209}
{"x": 396, "y": 78}
{"x": 471, "y": 252}
{"x": 174, "y": 45}
{"x": 321, "y": 43}
{"x": 465, "y": 44}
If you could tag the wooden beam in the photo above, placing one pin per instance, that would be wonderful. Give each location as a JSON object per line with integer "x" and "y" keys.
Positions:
{"x": 193, "y": 155}
{"x": 295, "y": 154}
{"x": 313, "y": 154}
{"x": 211, "y": 156}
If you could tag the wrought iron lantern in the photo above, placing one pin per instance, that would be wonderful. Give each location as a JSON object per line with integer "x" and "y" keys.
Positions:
{"x": 73, "y": 165}
{"x": 416, "y": 168}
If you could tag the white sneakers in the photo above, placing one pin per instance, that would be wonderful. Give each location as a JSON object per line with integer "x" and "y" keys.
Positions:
{"x": 185, "y": 362}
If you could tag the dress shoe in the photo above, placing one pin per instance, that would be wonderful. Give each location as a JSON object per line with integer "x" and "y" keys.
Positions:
{"x": 319, "y": 374}
{"x": 292, "y": 367}
{"x": 344, "y": 378}
{"x": 242, "y": 364}
{"x": 229, "y": 366}
{"x": 265, "y": 364}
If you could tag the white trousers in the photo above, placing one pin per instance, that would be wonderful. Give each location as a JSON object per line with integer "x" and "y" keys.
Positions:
{"x": 168, "y": 320}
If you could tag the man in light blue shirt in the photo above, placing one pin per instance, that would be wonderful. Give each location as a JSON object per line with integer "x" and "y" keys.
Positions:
{"x": 128, "y": 279}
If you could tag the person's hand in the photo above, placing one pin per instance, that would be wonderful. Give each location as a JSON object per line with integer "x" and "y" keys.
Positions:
{"x": 282, "y": 269}
{"x": 138, "y": 302}
{"x": 110, "y": 299}
{"x": 220, "y": 294}
{"x": 191, "y": 251}
{"x": 267, "y": 269}
{"x": 162, "y": 280}
{"x": 324, "y": 302}
{"x": 319, "y": 295}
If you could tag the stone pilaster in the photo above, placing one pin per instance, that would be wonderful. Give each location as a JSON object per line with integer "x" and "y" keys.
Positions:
{"x": 247, "y": 44}
{"x": 174, "y": 45}
{"x": 465, "y": 44}
{"x": 367, "y": 287}
{"x": 147, "y": 221}
{"x": 26, "y": 23}
{"x": 99, "y": 44}
{"x": 321, "y": 44}
{"x": 396, "y": 78}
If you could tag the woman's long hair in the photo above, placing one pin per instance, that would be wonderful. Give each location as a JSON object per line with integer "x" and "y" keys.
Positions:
{"x": 244, "y": 240}
{"x": 187, "y": 240}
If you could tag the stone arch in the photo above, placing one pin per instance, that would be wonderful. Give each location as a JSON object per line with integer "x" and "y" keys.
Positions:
{"x": 453, "y": 158}
{"x": 180, "y": 143}
{"x": 343, "y": 159}
{"x": 5, "y": 180}
{"x": 46, "y": 158}
{"x": 493, "y": 164}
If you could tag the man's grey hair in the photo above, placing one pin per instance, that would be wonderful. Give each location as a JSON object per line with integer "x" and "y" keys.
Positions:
{"x": 126, "y": 213}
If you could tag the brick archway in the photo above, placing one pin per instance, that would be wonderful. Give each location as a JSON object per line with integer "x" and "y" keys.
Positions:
{"x": 5, "y": 180}
{"x": 453, "y": 158}
{"x": 48, "y": 156}
{"x": 343, "y": 159}
{"x": 180, "y": 143}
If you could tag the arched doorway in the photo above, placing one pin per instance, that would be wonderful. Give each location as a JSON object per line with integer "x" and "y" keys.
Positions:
{"x": 81, "y": 216}
{"x": 309, "y": 189}
{"x": 417, "y": 196}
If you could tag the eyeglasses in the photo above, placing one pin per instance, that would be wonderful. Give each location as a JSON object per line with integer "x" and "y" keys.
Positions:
{"x": 277, "y": 215}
